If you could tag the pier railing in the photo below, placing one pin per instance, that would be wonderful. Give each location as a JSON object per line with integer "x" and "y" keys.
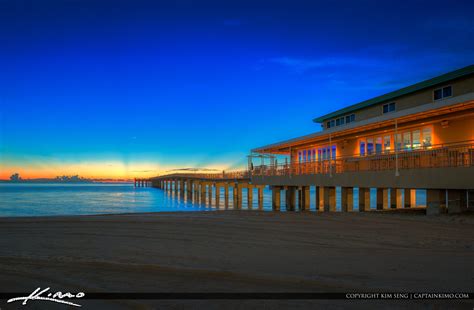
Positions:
{"x": 436, "y": 156}
{"x": 225, "y": 175}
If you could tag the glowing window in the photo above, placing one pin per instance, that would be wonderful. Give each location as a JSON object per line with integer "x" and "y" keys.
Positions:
{"x": 427, "y": 138}
{"x": 416, "y": 139}
{"x": 378, "y": 145}
{"x": 407, "y": 141}
{"x": 398, "y": 141}
{"x": 386, "y": 144}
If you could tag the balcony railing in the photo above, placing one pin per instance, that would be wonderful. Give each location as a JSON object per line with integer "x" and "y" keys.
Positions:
{"x": 436, "y": 156}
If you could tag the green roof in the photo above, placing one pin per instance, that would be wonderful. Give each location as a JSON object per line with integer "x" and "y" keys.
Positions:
{"x": 401, "y": 92}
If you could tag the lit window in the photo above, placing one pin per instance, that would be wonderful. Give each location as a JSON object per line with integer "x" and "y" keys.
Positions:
{"x": 398, "y": 141}
{"x": 416, "y": 139}
{"x": 386, "y": 144}
{"x": 407, "y": 141}
{"x": 378, "y": 145}
{"x": 427, "y": 138}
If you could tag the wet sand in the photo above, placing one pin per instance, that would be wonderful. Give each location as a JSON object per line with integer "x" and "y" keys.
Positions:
{"x": 239, "y": 251}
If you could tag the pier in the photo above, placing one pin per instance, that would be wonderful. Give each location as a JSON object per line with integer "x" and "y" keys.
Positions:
{"x": 203, "y": 188}
{"x": 420, "y": 137}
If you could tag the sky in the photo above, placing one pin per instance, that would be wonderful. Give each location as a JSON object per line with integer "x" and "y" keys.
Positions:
{"x": 124, "y": 89}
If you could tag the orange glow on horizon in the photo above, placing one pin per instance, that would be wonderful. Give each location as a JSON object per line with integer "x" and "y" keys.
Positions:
{"x": 95, "y": 170}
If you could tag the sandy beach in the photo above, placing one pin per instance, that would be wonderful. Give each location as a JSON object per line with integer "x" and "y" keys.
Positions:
{"x": 239, "y": 251}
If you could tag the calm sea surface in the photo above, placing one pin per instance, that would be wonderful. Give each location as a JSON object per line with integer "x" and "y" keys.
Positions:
{"x": 78, "y": 199}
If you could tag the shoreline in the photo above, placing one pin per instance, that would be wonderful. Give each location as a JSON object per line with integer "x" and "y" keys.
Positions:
{"x": 418, "y": 211}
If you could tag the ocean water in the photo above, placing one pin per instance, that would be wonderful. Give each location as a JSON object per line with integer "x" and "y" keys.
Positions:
{"x": 81, "y": 199}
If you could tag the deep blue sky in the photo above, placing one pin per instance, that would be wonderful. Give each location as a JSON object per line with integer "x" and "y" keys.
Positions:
{"x": 144, "y": 86}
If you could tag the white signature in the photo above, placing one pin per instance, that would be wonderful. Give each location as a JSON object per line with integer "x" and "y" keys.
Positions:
{"x": 56, "y": 297}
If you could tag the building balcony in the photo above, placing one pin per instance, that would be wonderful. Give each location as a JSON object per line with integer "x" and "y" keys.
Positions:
{"x": 414, "y": 165}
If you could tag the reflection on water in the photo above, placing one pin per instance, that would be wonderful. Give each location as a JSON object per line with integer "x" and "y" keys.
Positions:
{"x": 76, "y": 199}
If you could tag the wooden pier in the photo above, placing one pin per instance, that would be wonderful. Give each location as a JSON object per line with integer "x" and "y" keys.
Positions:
{"x": 202, "y": 188}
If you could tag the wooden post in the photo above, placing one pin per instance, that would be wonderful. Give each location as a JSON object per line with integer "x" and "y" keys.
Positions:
{"x": 276, "y": 198}
{"x": 249, "y": 195}
{"x": 435, "y": 198}
{"x": 203, "y": 193}
{"x": 380, "y": 200}
{"x": 260, "y": 197}
{"x": 226, "y": 195}
{"x": 407, "y": 193}
{"x": 332, "y": 198}
{"x": 386, "y": 201}
{"x": 218, "y": 194}
{"x": 209, "y": 192}
{"x": 399, "y": 198}
{"x": 347, "y": 199}
{"x": 364, "y": 199}
{"x": 290, "y": 198}
{"x": 304, "y": 199}
{"x": 317, "y": 198}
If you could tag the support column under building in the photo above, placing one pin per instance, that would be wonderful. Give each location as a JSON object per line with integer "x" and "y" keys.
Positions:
{"x": 407, "y": 201}
{"x": 399, "y": 198}
{"x": 317, "y": 198}
{"x": 386, "y": 200}
{"x": 380, "y": 198}
{"x": 322, "y": 198}
{"x": 435, "y": 201}
{"x": 260, "y": 197}
{"x": 290, "y": 198}
{"x": 364, "y": 199}
{"x": 457, "y": 201}
{"x": 276, "y": 198}
{"x": 332, "y": 198}
{"x": 347, "y": 199}
{"x": 249, "y": 196}
{"x": 304, "y": 198}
